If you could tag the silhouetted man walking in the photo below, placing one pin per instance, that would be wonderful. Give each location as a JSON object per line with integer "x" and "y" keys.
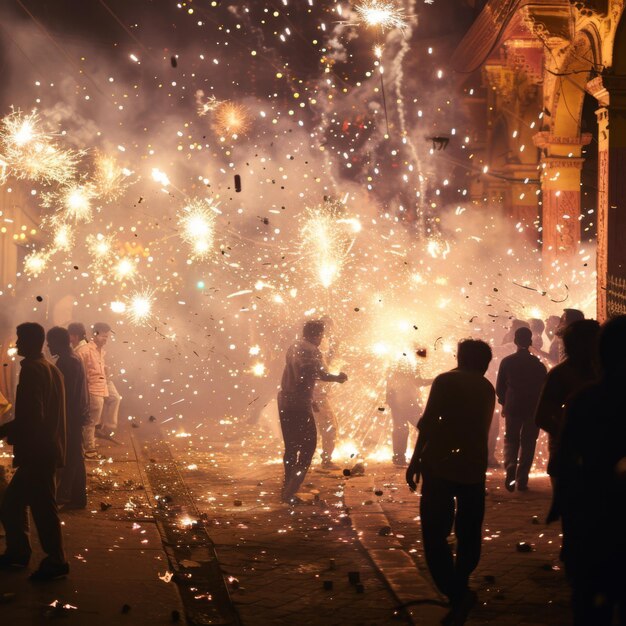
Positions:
{"x": 591, "y": 487}
{"x": 451, "y": 457}
{"x": 520, "y": 380}
{"x": 304, "y": 365}
{"x": 72, "y": 489}
{"x": 38, "y": 437}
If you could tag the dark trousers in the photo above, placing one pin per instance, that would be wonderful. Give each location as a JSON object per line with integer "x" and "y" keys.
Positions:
{"x": 300, "y": 437}
{"x": 520, "y": 440}
{"x": 597, "y": 590}
{"x": 438, "y": 516}
{"x": 72, "y": 487}
{"x": 400, "y": 414}
{"x": 34, "y": 487}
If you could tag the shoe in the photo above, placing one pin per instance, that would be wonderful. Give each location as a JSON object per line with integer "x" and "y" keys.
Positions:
{"x": 92, "y": 455}
{"x": 399, "y": 460}
{"x": 509, "y": 481}
{"x": 461, "y": 608}
{"x": 9, "y": 562}
{"x": 329, "y": 465}
{"x": 48, "y": 571}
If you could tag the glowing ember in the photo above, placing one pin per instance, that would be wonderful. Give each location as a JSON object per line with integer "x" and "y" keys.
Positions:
{"x": 381, "y": 13}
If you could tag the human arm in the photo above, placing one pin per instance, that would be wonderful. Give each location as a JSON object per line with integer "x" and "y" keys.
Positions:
{"x": 550, "y": 406}
{"x": 429, "y": 418}
{"x": 501, "y": 382}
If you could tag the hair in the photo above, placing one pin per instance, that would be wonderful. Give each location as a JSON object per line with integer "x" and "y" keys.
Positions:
{"x": 523, "y": 337}
{"x": 580, "y": 340}
{"x": 613, "y": 345}
{"x": 474, "y": 354}
{"x": 537, "y": 325}
{"x": 313, "y": 328}
{"x": 31, "y": 336}
{"x": 59, "y": 338}
{"x": 77, "y": 329}
{"x": 101, "y": 327}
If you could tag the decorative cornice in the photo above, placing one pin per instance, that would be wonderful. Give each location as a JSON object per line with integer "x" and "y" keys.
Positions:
{"x": 545, "y": 139}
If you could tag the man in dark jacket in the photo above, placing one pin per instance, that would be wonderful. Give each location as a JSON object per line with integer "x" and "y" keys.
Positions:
{"x": 591, "y": 486}
{"x": 520, "y": 379}
{"x": 451, "y": 455}
{"x": 72, "y": 489}
{"x": 303, "y": 367}
{"x": 38, "y": 437}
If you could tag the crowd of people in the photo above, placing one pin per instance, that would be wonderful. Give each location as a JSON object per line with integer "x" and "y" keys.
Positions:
{"x": 572, "y": 390}
{"x": 577, "y": 402}
{"x": 60, "y": 409}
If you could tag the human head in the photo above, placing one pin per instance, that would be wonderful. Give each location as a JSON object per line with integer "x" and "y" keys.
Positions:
{"x": 537, "y": 326}
{"x": 101, "y": 332}
{"x": 313, "y": 331}
{"x": 30, "y": 338}
{"x": 58, "y": 340}
{"x": 569, "y": 317}
{"x": 515, "y": 324}
{"x": 580, "y": 340}
{"x": 523, "y": 337}
{"x": 613, "y": 347}
{"x": 473, "y": 354}
{"x": 552, "y": 323}
{"x": 77, "y": 333}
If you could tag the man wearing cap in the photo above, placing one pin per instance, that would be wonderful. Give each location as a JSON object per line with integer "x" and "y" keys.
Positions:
{"x": 520, "y": 379}
{"x": 92, "y": 355}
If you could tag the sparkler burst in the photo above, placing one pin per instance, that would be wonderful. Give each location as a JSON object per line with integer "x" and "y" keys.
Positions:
{"x": 197, "y": 223}
{"x": 63, "y": 237}
{"x": 110, "y": 180}
{"x": 231, "y": 119}
{"x": 383, "y": 14}
{"x": 29, "y": 152}
{"x": 139, "y": 306}
{"x": 35, "y": 263}
{"x": 99, "y": 246}
{"x": 326, "y": 239}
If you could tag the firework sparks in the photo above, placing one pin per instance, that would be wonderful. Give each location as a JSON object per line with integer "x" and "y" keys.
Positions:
{"x": 139, "y": 307}
{"x": 63, "y": 237}
{"x": 197, "y": 223}
{"x": 29, "y": 152}
{"x": 36, "y": 262}
{"x": 382, "y": 14}
{"x": 110, "y": 180}
{"x": 205, "y": 105}
{"x": 231, "y": 119}
{"x": 124, "y": 269}
{"x": 326, "y": 240}
{"x": 99, "y": 245}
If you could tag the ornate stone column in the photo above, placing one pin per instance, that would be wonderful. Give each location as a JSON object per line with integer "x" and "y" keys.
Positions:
{"x": 610, "y": 92}
{"x": 561, "y": 166}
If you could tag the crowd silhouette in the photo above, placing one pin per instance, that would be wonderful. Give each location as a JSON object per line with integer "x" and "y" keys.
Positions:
{"x": 573, "y": 390}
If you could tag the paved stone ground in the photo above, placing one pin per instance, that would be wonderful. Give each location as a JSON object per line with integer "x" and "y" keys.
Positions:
{"x": 115, "y": 555}
{"x": 281, "y": 556}
{"x": 277, "y": 558}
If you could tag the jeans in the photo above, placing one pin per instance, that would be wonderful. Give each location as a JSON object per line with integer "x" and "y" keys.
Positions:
{"x": 96, "y": 405}
{"x": 32, "y": 486}
{"x": 300, "y": 437}
{"x": 520, "y": 440}
{"x": 72, "y": 487}
{"x": 438, "y": 516}
{"x": 110, "y": 410}
{"x": 326, "y": 423}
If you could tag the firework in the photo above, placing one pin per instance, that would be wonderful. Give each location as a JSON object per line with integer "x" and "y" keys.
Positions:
{"x": 231, "y": 119}
{"x": 139, "y": 307}
{"x": 382, "y": 14}
{"x": 327, "y": 241}
{"x": 110, "y": 180}
{"x": 99, "y": 245}
{"x": 124, "y": 269}
{"x": 205, "y": 106}
{"x": 30, "y": 152}
{"x": 63, "y": 237}
{"x": 197, "y": 223}
{"x": 36, "y": 262}
{"x": 160, "y": 177}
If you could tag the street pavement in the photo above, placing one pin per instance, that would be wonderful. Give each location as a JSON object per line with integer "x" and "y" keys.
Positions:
{"x": 280, "y": 557}
{"x": 350, "y": 555}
